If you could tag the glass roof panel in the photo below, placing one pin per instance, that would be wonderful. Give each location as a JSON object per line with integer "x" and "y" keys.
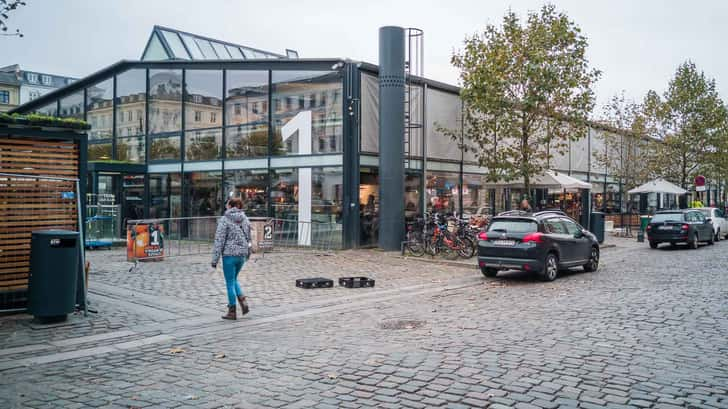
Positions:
{"x": 235, "y": 52}
{"x": 206, "y": 48}
{"x": 175, "y": 44}
{"x": 155, "y": 50}
{"x": 221, "y": 51}
{"x": 192, "y": 46}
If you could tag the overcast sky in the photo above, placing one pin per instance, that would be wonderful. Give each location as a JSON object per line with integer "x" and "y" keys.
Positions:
{"x": 637, "y": 44}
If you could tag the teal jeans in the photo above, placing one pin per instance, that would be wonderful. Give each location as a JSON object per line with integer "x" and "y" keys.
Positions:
{"x": 231, "y": 266}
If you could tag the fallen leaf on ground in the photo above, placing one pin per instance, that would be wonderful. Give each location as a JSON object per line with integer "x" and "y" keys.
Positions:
{"x": 176, "y": 351}
{"x": 219, "y": 356}
{"x": 332, "y": 376}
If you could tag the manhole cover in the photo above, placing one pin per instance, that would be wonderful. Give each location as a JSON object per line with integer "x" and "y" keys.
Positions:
{"x": 401, "y": 324}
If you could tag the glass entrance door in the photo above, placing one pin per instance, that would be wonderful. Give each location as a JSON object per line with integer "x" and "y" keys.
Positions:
{"x": 132, "y": 197}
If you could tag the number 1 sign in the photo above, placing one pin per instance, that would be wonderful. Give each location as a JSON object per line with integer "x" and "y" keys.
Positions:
{"x": 301, "y": 125}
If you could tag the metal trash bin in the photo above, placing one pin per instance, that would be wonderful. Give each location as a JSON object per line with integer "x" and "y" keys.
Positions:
{"x": 597, "y": 226}
{"x": 54, "y": 258}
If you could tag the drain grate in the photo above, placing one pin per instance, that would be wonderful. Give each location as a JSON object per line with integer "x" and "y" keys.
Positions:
{"x": 401, "y": 324}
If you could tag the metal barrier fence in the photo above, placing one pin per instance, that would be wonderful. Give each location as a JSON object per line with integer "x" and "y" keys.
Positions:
{"x": 156, "y": 239}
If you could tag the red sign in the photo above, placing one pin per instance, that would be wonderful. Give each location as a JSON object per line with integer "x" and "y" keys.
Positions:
{"x": 699, "y": 180}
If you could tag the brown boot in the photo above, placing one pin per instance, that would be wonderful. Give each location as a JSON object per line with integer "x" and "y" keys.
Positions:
{"x": 231, "y": 315}
{"x": 243, "y": 304}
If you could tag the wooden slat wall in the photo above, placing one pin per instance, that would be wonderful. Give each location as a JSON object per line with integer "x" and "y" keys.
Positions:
{"x": 32, "y": 204}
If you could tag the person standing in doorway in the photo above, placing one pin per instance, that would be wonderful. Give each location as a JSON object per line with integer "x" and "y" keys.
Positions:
{"x": 232, "y": 243}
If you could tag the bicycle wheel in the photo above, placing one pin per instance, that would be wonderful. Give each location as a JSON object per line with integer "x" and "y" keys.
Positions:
{"x": 467, "y": 247}
{"x": 414, "y": 245}
{"x": 448, "y": 253}
{"x": 431, "y": 247}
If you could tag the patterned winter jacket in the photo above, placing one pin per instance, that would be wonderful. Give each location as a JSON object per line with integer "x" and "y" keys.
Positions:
{"x": 232, "y": 235}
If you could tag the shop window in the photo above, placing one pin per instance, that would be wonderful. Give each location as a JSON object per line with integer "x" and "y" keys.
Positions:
{"x": 250, "y": 185}
{"x": 368, "y": 206}
{"x": 203, "y": 90}
{"x": 325, "y": 121}
{"x": 443, "y": 190}
{"x": 244, "y": 89}
{"x": 165, "y": 94}
{"x": 130, "y": 96}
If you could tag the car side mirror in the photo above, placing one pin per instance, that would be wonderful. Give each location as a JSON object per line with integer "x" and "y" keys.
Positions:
{"x": 708, "y": 220}
{"x": 579, "y": 234}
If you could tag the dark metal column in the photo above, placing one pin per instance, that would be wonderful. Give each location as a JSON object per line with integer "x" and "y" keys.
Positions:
{"x": 391, "y": 133}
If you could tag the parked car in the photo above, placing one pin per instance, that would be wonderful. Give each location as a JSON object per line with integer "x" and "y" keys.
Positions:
{"x": 688, "y": 226}
{"x": 542, "y": 242}
{"x": 720, "y": 223}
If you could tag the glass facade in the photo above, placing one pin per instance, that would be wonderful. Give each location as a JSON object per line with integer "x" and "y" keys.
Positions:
{"x": 303, "y": 99}
{"x": 165, "y": 101}
{"x": 475, "y": 195}
{"x": 250, "y": 185}
{"x": 443, "y": 191}
{"x": 165, "y": 193}
{"x": 131, "y": 93}
{"x": 284, "y": 193}
{"x": 175, "y": 44}
{"x": 49, "y": 109}
{"x": 72, "y": 106}
{"x": 368, "y": 206}
{"x": 99, "y": 110}
{"x": 246, "y": 129}
{"x": 203, "y": 144}
{"x": 203, "y": 99}
{"x": 155, "y": 50}
{"x": 99, "y": 151}
{"x": 246, "y": 113}
{"x": 202, "y": 197}
{"x": 164, "y": 147}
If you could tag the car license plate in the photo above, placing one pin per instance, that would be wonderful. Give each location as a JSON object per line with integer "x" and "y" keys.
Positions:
{"x": 504, "y": 242}
{"x": 665, "y": 228}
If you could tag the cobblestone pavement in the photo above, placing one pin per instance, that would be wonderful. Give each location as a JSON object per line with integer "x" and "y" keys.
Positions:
{"x": 649, "y": 329}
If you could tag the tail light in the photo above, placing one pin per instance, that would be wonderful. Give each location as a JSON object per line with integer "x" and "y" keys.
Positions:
{"x": 685, "y": 226}
{"x": 482, "y": 236}
{"x": 533, "y": 238}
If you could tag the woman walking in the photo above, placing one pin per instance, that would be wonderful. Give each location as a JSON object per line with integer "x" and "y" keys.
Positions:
{"x": 232, "y": 242}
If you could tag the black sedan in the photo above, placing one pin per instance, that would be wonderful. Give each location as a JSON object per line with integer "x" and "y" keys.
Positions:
{"x": 543, "y": 243}
{"x": 680, "y": 226}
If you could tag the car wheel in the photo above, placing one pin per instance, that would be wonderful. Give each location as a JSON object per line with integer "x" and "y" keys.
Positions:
{"x": 550, "y": 268}
{"x": 694, "y": 242}
{"x": 654, "y": 244}
{"x": 593, "y": 263}
{"x": 711, "y": 241}
{"x": 489, "y": 272}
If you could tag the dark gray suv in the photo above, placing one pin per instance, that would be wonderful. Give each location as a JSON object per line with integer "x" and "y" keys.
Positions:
{"x": 543, "y": 243}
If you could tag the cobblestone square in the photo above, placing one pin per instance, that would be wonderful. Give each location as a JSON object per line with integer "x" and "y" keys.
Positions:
{"x": 649, "y": 329}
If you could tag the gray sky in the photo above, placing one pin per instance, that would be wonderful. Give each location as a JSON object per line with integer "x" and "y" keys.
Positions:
{"x": 637, "y": 44}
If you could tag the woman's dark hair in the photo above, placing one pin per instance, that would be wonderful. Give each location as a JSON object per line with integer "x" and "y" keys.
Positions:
{"x": 236, "y": 202}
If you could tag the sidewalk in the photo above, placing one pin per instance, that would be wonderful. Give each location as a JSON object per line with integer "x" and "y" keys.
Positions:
{"x": 157, "y": 301}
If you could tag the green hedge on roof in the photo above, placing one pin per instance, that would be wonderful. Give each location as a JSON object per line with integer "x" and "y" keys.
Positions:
{"x": 44, "y": 120}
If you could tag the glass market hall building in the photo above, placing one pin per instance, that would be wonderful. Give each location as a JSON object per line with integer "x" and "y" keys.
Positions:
{"x": 198, "y": 120}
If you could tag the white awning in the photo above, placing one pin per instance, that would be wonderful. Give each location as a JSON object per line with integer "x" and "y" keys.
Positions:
{"x": 565, "y": 182}
{"x": 551, "y": 180}
{"x": 658, "y": 186}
